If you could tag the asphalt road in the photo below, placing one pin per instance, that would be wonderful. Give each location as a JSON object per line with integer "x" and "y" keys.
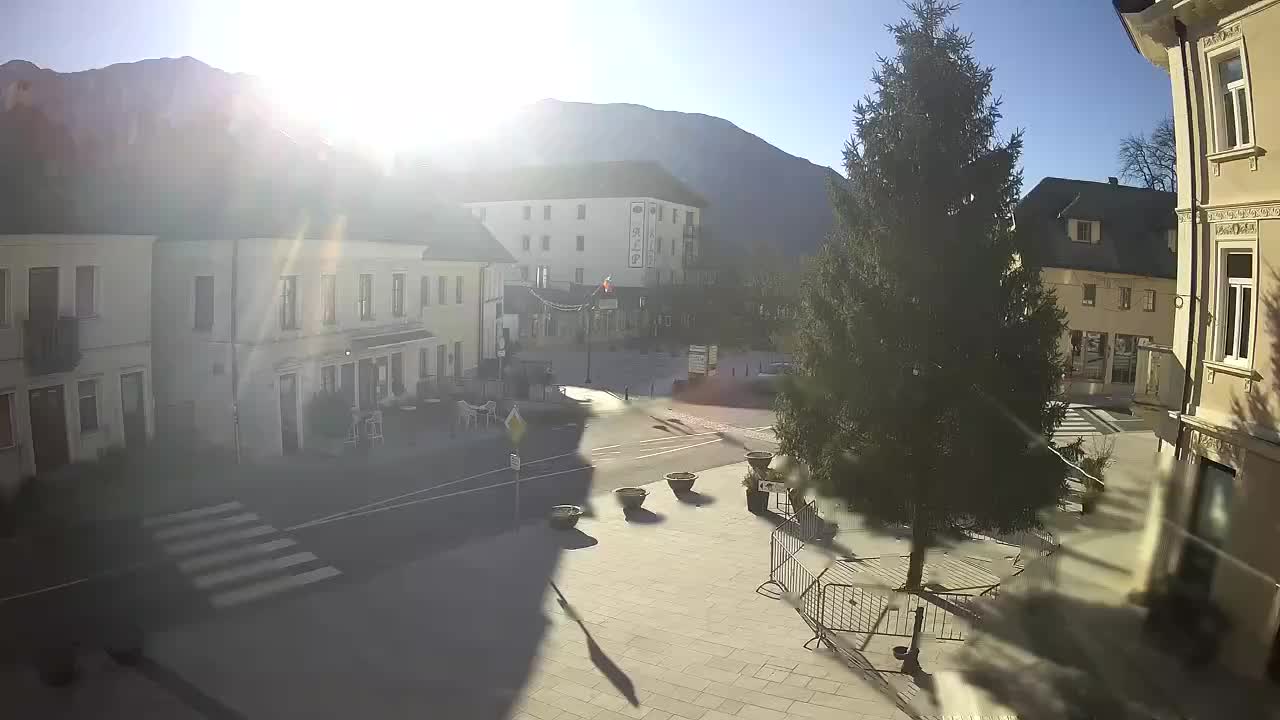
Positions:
{"x": 345, "y": 522}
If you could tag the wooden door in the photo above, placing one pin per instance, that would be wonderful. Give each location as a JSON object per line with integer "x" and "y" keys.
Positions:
{"x": 48, "y": 428}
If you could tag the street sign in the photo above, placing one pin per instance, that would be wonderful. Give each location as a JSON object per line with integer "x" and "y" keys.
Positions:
{"x": 607, "y": 304}
{"x": 515, "y": 461}
{"x": 516, "y": 426}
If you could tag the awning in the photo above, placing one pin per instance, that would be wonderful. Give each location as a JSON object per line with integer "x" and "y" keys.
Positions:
{"x": 397, "y": 338}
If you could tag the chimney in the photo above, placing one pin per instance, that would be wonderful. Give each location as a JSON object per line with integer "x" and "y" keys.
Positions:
{"x": 1113, "y": 180}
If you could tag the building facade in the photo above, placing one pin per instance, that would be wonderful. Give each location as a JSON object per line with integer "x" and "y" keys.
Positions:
{"x": 1109, "y": 253}
{"x": 75, "y": 350}
{"x": 629, "y": 221}
{"x": 249, "y": 330}
{"x": 1213, "y": 527}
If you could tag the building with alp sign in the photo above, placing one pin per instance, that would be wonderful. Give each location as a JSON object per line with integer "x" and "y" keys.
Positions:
{"x": 569, "y": 225}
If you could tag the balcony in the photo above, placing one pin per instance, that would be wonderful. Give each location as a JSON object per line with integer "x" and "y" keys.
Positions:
{"x": 51, "y": 345}
{"x": 691, "y": 232}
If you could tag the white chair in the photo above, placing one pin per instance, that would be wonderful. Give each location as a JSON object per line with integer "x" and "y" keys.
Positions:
{"x": 373, "y": 427}
{"x": 466, "y": 414}
{"x": 490, "y": 412}
{"x": 353, "y": 434}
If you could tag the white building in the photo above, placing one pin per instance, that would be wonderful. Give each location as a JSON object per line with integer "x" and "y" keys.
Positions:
{"x": 263, "y": 324}
{"x": 75, "y": 349}
{"x": 581, "y": 223}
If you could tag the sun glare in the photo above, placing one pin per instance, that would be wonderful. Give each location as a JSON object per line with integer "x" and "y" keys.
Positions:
{"x": 401, "y": 75}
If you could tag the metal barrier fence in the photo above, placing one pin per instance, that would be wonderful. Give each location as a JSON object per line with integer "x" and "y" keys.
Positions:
{"x": 876, "y": 610}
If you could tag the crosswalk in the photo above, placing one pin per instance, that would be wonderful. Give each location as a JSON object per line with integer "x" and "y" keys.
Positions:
{"x": 228, "y": 552}
{"x": 1074, "y": 424}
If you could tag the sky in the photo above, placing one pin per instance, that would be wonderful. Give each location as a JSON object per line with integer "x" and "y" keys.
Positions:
{"x": 421, "y": 73}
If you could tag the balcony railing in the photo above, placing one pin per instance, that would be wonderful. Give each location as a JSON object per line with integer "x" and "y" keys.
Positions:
{"x": 51, "y": 345}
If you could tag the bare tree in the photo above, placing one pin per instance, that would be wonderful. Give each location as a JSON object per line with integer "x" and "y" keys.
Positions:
{"x": 1151, "y": 161}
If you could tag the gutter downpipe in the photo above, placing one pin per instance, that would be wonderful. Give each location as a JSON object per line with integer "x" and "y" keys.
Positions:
{"x": 1192, "y": 134}
{"x": 235, "y": 349}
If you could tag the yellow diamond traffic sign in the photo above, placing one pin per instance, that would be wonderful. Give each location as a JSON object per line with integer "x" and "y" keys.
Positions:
{"x": 516, "y": 426}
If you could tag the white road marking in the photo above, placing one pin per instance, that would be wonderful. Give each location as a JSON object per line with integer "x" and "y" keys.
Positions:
{"x": 686, "y": 447}
{"x": 213, "y": 541}
{"x": 192, "y": 514}
{"x": 261, "y": 567}
{"x": 273, "y": 586}
{"x": 217, "y": 558}
{"x": 204, "y": 526}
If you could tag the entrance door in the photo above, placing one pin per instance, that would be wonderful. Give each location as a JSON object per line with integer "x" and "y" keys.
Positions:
{"x": 42, "y": 294}
{"x": 289, "y": 413}
{"x": 348, "y": 386}
{"x": 48, "y": 428}
{"x": 368, "y": 385}
{"x": 134, "y": 407}
{"x": 457, "y": 359}
{"x": 442, "y": 362}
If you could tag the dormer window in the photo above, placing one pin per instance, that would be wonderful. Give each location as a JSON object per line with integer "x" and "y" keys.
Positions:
{"x": 1084, "y": 231}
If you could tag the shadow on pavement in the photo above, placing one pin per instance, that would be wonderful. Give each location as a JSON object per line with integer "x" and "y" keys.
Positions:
{"x": 607, "y": 667}
{"x": 643, "y": 516}
{"x": 693, "y": 497}
{"x": 575, "y": 539}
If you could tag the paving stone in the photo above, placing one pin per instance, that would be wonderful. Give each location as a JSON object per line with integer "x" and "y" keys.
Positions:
{"x": 788, "y": 691}
{"x": 680, "y": 708}
{"x": 824, "y": 685}
{"x": 755, "y": 712}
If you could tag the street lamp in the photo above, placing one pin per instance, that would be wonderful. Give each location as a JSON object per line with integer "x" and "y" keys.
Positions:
{"x": 588, "y": 306}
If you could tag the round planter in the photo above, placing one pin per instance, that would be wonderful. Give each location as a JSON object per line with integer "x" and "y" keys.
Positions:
{"x": 564, "y": 517}
{"x": 680, "y": 482}
{"x": 757, "y": 501}
{"x": 759, "y": 460}
{"x": 631, "y": 498}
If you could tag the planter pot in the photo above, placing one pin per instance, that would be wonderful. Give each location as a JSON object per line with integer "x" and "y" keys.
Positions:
{"x": 757, "y": 501}
{"x": 759, "y": 460}
{"x": 631, "y": 498}
{"x": 680, "y": 482}
{"x": 564, "y": 517}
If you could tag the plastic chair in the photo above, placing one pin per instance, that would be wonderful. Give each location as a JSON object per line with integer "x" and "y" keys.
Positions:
{"x": 466, "y": 414}
{"x": 353, "y": 433}
{"x": 373, "y": 427}
{"x": 490, "y": 412}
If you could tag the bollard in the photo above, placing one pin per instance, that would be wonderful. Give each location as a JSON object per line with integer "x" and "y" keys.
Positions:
{"x": 650, "y": 389}
{"x": 626, "y": 393}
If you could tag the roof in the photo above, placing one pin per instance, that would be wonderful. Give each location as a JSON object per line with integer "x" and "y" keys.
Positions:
{"x": 1134, "y": 224}
{"x": 621, "y": 179}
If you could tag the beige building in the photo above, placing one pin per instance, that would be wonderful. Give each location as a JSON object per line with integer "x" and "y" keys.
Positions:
{"x": 1213, "y": 528}
{"x": 75, "y": 350}
{"x": 1108, "y": 252}
{"x": 247, "y": 330}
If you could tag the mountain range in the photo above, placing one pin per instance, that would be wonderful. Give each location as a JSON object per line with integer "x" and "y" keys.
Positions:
{"x": 759, "y": 195}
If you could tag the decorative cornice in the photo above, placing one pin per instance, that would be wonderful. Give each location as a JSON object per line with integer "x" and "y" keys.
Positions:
{"x": 1225, "y": 34}
{"x": 1244, "y": 212}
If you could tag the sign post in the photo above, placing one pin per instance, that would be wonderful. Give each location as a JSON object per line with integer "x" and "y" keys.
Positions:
{"x": 516, "y": 427}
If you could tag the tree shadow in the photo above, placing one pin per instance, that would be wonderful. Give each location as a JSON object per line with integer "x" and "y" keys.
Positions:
{"x": 607, "y": 667}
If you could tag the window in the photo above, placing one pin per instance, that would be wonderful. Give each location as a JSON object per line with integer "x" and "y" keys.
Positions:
{"x": 1090, "y": 294}
{"x": 397, "y": 294}
{"x": 688, "y": 218}
{"x": 4, "y": 297}
{"x": 382, "y": 379}
{"x": 457, "y": 359}
{"x": 1237, "y": 306}
{"x": 88, "y": 393}
{"x": 366, "y": 297}
{"x": 329, "y": 379}
{"x": 442, "y": 290}
{"x": 582, "y": 211}
{"x": 1232, "y": 92}
{"x": 457, "y": 289}
{"x": 524, "y": 243}
{"x": 661, "y": 210}
{"x": 1148, "y": 301}
{"x": 1083, "y": 232}
{"x": 546, "y": 212}
{"x": 329, "y": 299}
{"x": 424, "y": 291}
{"x": 86, "y": 291}
{"x": 1126, "y": 298}
{"x": 577, "y": 275}
{"x": 7, "y": 439}
{"x": 544, "y": 276}
{"x": 204, "y": 303}
{"x": 289, "y": 302}
{"x": 659, "y": 249}
{"x": 582, "y": 243}
{"x": 671, "y": 277}
{"x": 423, "y": 358}
{"x": 528, "y": 212}
{"x": 675, "y": 216}
{"x": 397, "y": 373}
{"x": 546, "y": 242}
{"x": 1124, "y": 359}
{"x": 524, "y": 272}
{"x": 673, "y": 245}
{"x": 1210, "y": 522}
{"x": 1095, "y": 355}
